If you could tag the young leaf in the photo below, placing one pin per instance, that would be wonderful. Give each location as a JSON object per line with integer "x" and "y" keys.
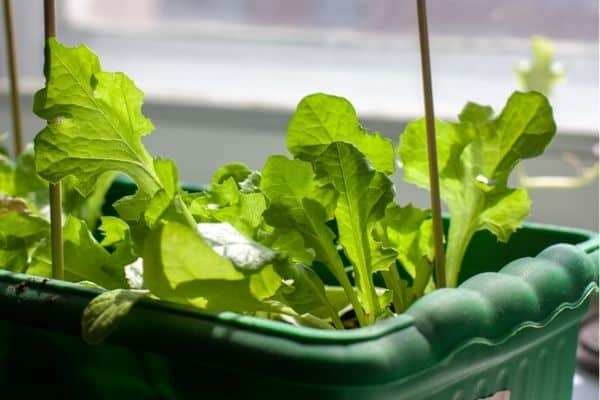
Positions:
{"x": 132, "y": 207}
{"x": 163, "y": 199}
{"x": 28, "y": 183}
{"x": 7, "y": 175}
{"x": 243, "y": 211}
{"x": 299, "y": 203}
{"x": 306, "y": 294}
{"x": 290, "y": 243}
{"x": 117, "y": 235}
{"x": 21, "y": 234}
{"x": 98, "y": 122}
{"x": 87, "y": 208}
{"x": 236, "y": 171}
{"x": 40, "y": 260}
{"x": 363, "y": 195}
{"x": 234, "y": 197}
{"x": 408, "y": 230}
{"x": 86, "y": 259}
{"x": 180, "y": 266}
{"x": 19, "y": 179}
{"x": 19, "y": 229}
{"x": 322, "y": 119}
{"x": 475, "y": 158}
{"x": 114, "y": 229}
{"x": 245, "y": 215}
{"x": 103, "y": 314}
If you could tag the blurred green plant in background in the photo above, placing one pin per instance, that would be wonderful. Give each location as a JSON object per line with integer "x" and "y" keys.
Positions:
{"x": 541, "y": 74}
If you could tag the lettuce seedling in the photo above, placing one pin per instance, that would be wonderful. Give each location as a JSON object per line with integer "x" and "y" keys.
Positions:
{"x": 476, "y": 156}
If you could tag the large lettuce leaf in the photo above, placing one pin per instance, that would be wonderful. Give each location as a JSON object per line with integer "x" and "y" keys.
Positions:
{"x": 363, "y": 195}
{"x": 322, "y": 119}
{"x": 97, "y": 122}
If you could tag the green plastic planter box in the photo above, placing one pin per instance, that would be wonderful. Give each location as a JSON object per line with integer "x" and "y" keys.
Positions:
{"x": 510, "y": 332}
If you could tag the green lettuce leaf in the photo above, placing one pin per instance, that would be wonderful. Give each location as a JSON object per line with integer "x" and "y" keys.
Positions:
{"x": 239, "y": 172}
{"x": 245, "y": 213}
{"x": 16, "y": 260}
{"x": 19, "y": 179}
{"x": 87, "y": 260}
{"x": 142, "y": 211}
{"x": 132, "y": 207}
{"x": 409, "y": 231}
{"x": 180, "y": 266}
{"x": 20, "y": 229}
{"x": 363, "y": 195}
{"x": 97, "y": 123}
{"x": 6, "y": 176}
{"x": 475, "y": 159}
{"x": 114, "y": 229}
{"x": 102, "y": 315}
{"x": 117, "y": 237}
{"x": 234, "y": 197}
{"x": 305, "y": 293}
{"x": 161, "y": 202}
{"x": 87, "y": 208}
{"x": 298, "y": 202}
{"x": 290, "y": 243}
{"x": 322, "y": 119}
{"x": 28, "y": 184}
{"x": 21, "y": 234}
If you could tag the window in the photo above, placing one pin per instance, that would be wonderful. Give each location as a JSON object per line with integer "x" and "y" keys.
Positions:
{"x": 270, "y": 53}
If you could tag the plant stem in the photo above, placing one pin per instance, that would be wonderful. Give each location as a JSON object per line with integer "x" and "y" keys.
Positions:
{"x": 459, "y": 236}
{"x": 179, "y": 203}
{"x": 420, "y": 284}
{"x": 349, "y": 290}
{"x": 56, "y": 234}
{"x": 436, "y": 209}
{"x": 337, "y": 269}
{"x": 14, "y": 80}
{"x": 392, "y": 282}
{"x": 368, "y": 295}
{"x": 335, "y": 318}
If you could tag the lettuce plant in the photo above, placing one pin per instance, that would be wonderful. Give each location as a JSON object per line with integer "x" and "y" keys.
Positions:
{"x": 476, "y": 156}
{"x": 255, "y": 241}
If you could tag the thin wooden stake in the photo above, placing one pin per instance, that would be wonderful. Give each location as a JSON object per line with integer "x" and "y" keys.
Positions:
{"x": 58, "y": 271}
{"x": 436, "y": 209}
{"x": 14, "y": 80}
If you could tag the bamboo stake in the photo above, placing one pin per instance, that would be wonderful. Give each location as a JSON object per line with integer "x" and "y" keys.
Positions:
{"x": 55, "y": 187}
{"x": 14, "y": 81}
{"x": 436, "y": 210}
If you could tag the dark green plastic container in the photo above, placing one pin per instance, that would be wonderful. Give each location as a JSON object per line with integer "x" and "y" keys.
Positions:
{"x": 514, "y": 330}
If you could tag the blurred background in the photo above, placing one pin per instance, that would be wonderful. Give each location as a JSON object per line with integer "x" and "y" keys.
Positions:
{"x": 221, "y": 78}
